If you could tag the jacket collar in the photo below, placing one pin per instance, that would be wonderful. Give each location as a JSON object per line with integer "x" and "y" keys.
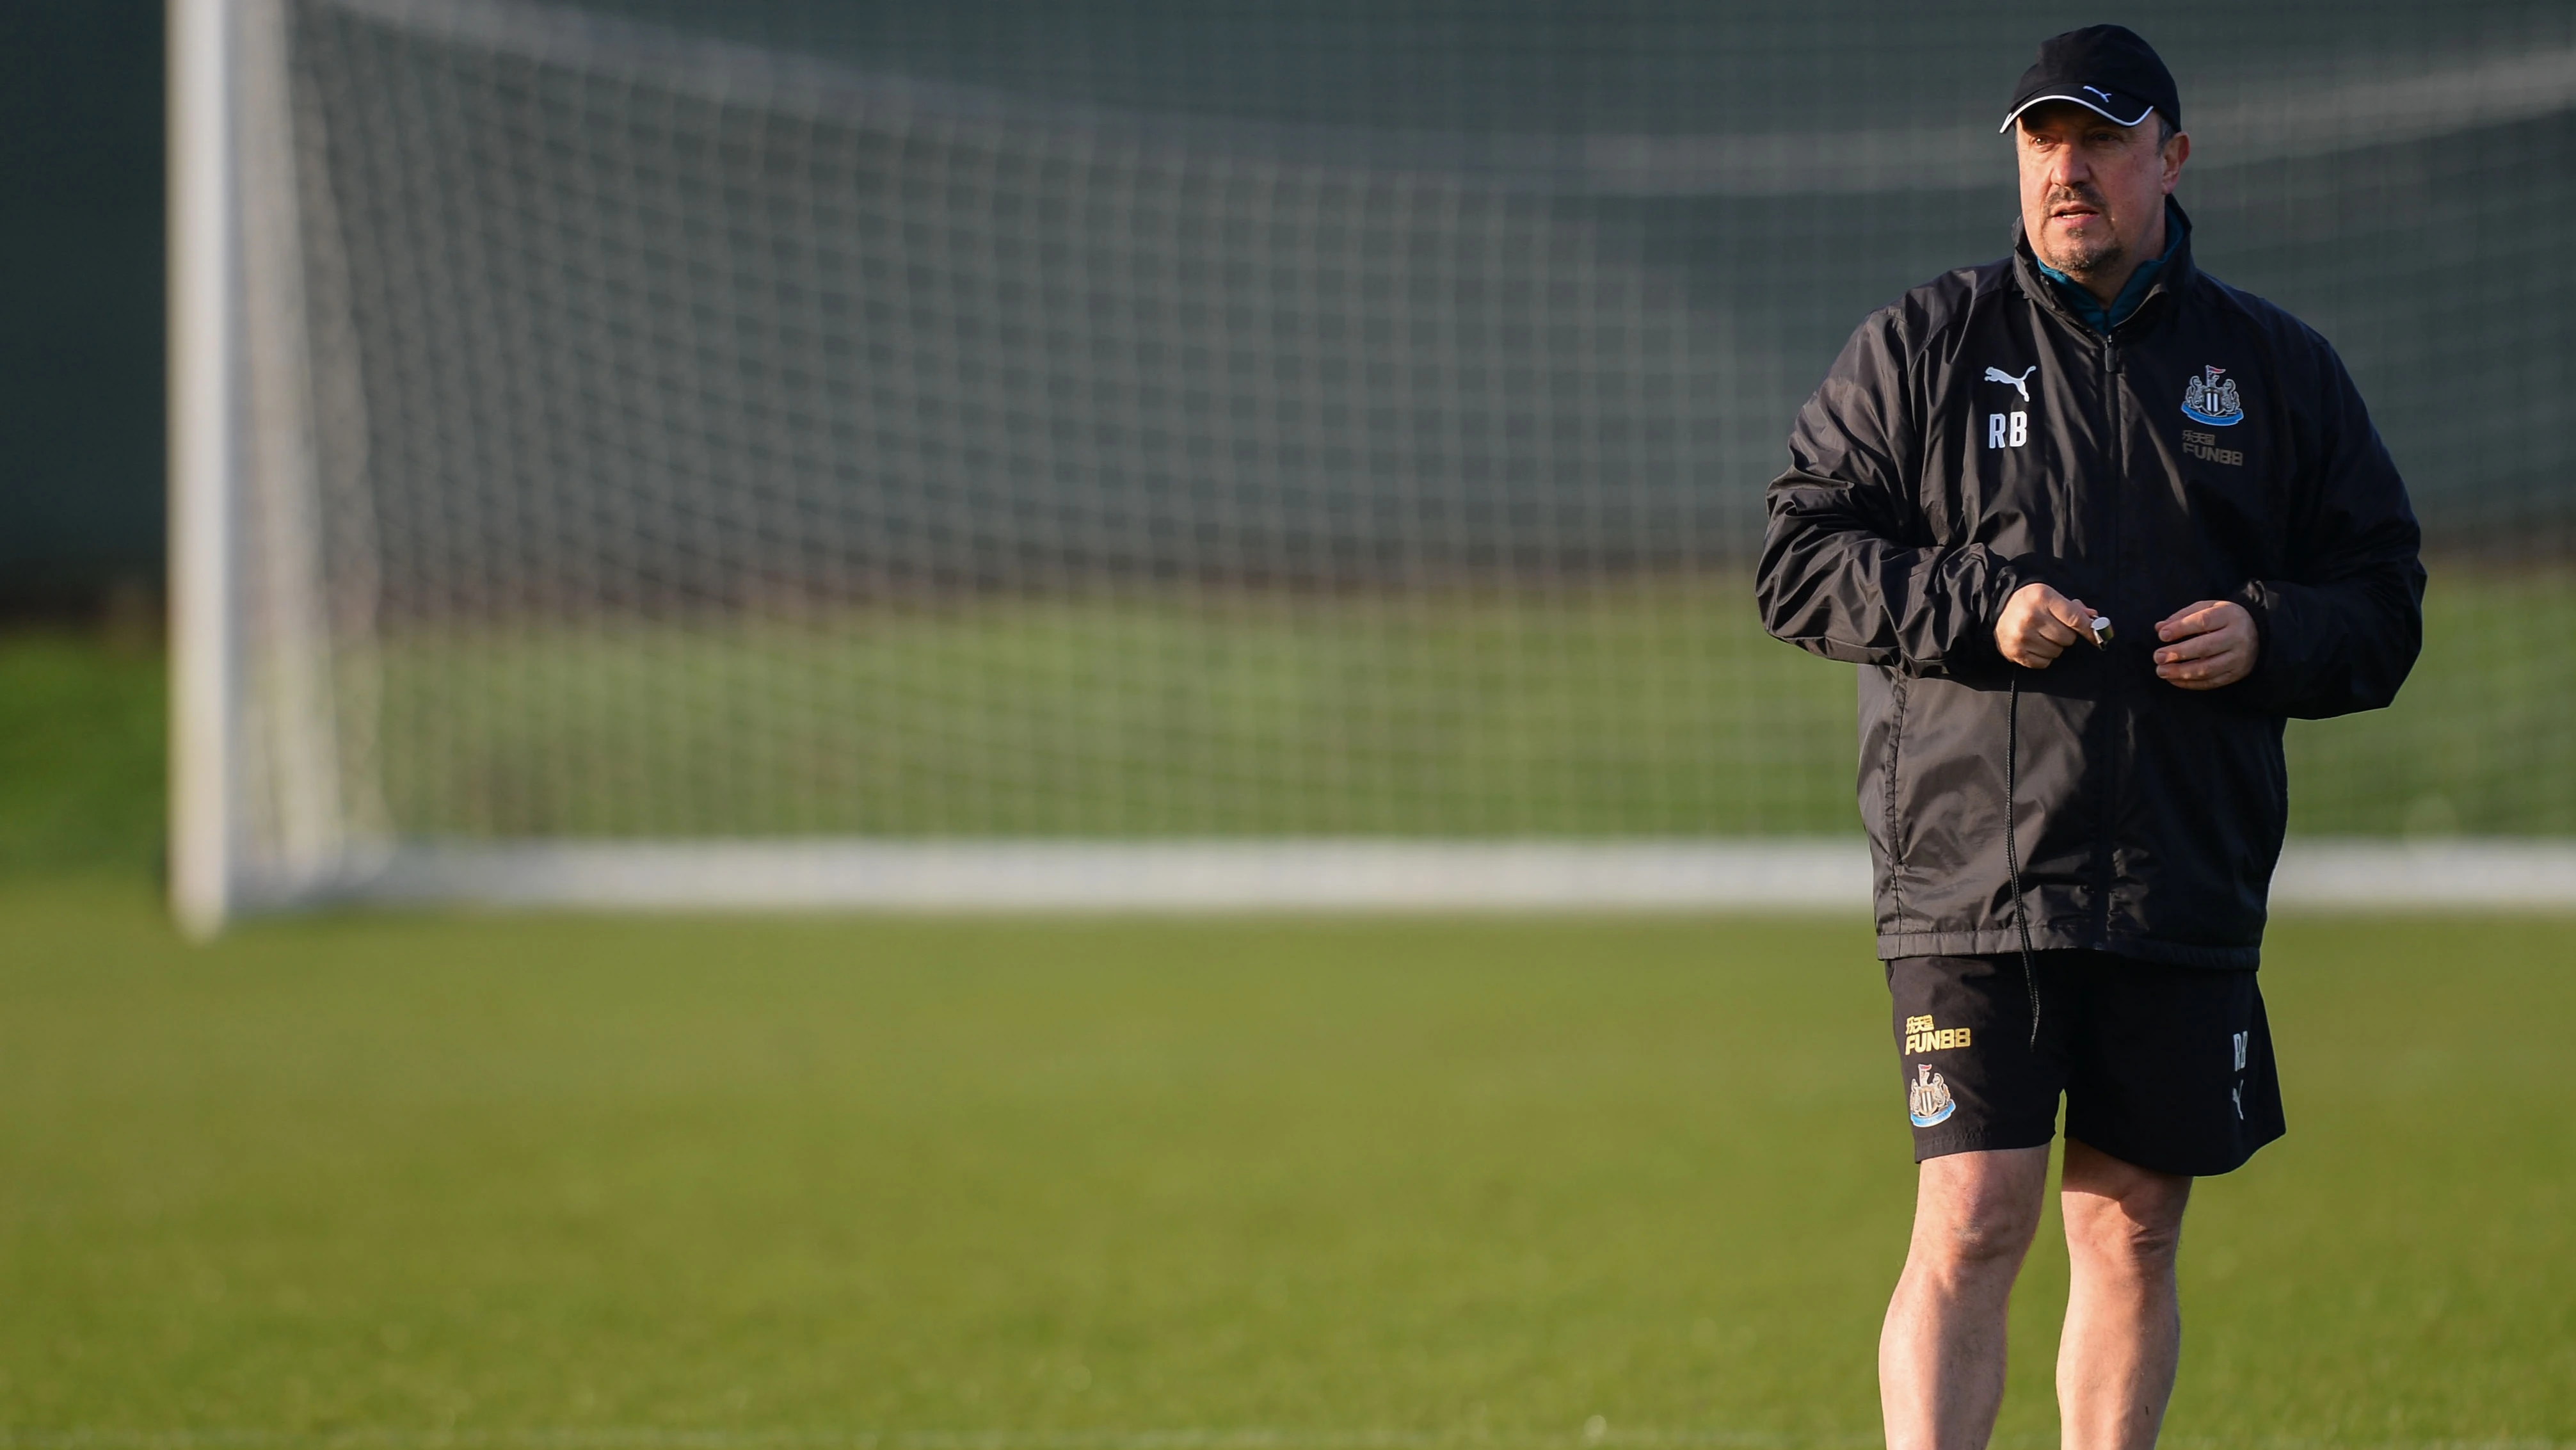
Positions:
{"x": 2174, "y": 277}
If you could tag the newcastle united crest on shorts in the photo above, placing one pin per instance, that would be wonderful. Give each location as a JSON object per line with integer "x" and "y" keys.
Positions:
{"x": 2205, "y": 399}
{"x": 1927, "y": 1098}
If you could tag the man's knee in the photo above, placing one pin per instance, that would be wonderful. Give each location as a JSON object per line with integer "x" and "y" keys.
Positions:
{"x": 2121, "y": 1214}
{"x": 1983, "y": 1238}
{"x": 2113, "y": 1232}
{"x": 1976, "y": 1209}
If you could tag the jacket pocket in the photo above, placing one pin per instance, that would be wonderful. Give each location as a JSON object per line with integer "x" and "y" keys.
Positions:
{"x": 2202, "y": 825}
{"x": 1946, "y": 820}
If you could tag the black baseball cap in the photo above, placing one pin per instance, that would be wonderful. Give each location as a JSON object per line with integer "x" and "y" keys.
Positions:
{"x": 2104, "y": 68}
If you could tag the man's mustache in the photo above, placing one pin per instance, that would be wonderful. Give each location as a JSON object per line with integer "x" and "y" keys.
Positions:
{"x": 2059, "y": 196}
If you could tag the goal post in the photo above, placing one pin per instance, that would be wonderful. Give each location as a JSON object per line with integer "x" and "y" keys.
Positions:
{"x": 668, "y": 452}
{"x": 204, "y": 355}
{"x": 265, "y": 671}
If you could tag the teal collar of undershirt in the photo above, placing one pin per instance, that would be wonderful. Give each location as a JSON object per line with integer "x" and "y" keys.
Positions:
{"x": 2100, "y": 318}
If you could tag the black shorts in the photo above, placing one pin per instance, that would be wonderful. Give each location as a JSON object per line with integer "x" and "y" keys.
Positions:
{"x": 2166, "y": 1067}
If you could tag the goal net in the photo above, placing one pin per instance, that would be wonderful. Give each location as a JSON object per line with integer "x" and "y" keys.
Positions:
{"x": 777, "y": 450}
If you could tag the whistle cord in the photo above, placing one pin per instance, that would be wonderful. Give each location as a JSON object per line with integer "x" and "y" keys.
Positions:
{"x": 2012, "y": 848}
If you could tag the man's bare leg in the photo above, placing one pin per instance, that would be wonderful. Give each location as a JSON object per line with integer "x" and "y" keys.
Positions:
{"x": 2115, "y": 1363}
{"x": 1941, "y": 1354}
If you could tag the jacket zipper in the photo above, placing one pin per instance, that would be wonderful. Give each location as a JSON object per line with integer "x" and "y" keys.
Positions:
{"x": 2114, "y": 701}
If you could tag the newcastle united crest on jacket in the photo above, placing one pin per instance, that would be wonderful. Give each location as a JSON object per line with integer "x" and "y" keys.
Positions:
{"x": 2206, "y": 399}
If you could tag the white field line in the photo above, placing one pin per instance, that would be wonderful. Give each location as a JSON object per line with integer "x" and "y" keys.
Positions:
{"x": 1337, "y": 876}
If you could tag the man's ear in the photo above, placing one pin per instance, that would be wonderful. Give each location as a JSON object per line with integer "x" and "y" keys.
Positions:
{"x": 2177, "y": 151}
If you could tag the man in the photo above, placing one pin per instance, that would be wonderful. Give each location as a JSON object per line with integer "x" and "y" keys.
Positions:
{"x": 2074, "y": 831}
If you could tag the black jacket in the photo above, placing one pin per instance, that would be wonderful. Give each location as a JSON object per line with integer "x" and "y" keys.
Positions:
{"x": 1924, "y": 488}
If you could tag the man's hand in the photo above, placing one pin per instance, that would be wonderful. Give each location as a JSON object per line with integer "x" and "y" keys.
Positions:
{"x": 2206, "y": 645}
{"x": 2039, "y": 623}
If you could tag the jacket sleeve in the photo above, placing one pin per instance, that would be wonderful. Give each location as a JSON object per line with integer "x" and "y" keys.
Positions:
{"x": 2342, "y": 631}
{"x": 1850, "y": 569}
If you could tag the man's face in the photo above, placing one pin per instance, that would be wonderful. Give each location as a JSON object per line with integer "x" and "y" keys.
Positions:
{"x": 2092, "y": 191}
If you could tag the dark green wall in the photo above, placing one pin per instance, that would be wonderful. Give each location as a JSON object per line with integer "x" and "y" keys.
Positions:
{"x": 80, "y": 303}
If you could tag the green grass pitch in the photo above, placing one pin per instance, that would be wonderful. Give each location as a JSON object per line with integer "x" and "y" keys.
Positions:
{"x": 570, "y": 1182}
